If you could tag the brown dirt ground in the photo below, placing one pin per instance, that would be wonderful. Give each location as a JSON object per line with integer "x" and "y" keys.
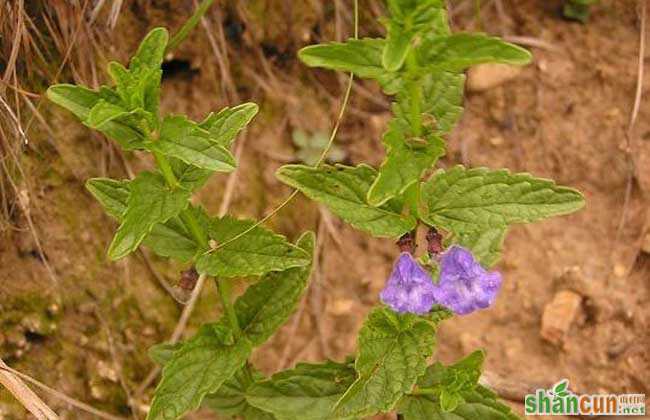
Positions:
{"x": 564, "y": 117}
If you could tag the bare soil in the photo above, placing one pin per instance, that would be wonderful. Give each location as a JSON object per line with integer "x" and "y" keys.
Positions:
{"x": 85, "y": 329}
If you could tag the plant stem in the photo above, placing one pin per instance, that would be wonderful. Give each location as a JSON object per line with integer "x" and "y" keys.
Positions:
{"x": 415, "y": 88}
{"x": 225, "y": 293}
{"x": 187, "y": 217}
{"x": 195, "y": 229}
{"x": 166, "y": 169}
{"x": 189, "y": 25}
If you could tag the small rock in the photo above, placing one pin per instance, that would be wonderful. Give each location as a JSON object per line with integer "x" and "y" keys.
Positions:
{"x": 496, "y": 141}
{"x": 620, "y": 270}
{"x": 106, "y": 371}
{"x": 340, "y": 306}
{"x": 487, "y": 76}
{"x": 558, "y": 316}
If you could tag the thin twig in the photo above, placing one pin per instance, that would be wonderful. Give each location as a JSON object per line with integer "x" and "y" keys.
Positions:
{"x": 24, "y": 395}
{"x": 68, "y": 400}
{"x": 633, "y": 116}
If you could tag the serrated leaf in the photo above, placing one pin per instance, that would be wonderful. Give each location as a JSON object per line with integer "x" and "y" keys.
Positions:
{"x": 230, "y": 398}
{"x": 103, "y": 113}
{"x": 410, "y": 19}
{"x": 267, "y": 304}
{"x": 343, "y": 190}
{"x": 462, "y": 50}
{"x": 184, "y": 140}
{"x": 398, "y": 45}
{"x": 227, "y": 123}
{"x": 255, "y": 253}
{"x": 80, "y": 101}
{"x": 440, "y": 101}
{"x": 485, "y": 243}
{"x": 189, "y": 177}
{"x": 171, "y": 239}
{"x": 462, "y": 199}
{"x": 307, "y": 392}
{"x": 151, "y": 50}
{"x": 405, "y": 163}
{"x": 477, "y": 405}
{"x": 456, "y": 394}
{"x": 76, "y": 99}
{"x": 163, "y": 352}
{"x": 200, "y": 367}
{"x": 393, "y": 349}
{"x": 150, "y": 202}
{"x": 111, "y": 194}
{"x": 362, "y": 57}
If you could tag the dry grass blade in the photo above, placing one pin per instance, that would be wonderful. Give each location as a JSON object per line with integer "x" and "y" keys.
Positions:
{"x": 24, "y": 395}
{"x": 68, "y": 400}
{"x": 642, "y": 4}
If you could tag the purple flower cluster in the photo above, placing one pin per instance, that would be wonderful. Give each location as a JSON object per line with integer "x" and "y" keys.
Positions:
{"x": 464, "y": 285}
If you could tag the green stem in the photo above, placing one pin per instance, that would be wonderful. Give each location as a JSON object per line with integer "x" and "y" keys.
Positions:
{"x": 424, "y": 391}
{"x": 189, "y": 25}
{"x": 166, "y": 169}
{"x": 412, "y": 197}
{"x": 225, "y": 293}
{"x": 415, "y": 93}
{"x": 195, "y": 229}
{"x": 187, "y": 217}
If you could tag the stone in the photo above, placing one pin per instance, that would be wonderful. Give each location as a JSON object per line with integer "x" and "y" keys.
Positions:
{"x": 487, "y": 76}
{"x": 559, "y": 315}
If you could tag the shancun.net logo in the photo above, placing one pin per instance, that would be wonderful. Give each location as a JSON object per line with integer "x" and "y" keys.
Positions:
{"x": 559, "y": 400}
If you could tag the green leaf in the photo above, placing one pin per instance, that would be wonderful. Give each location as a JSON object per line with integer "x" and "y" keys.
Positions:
{"x": 362, "y": 57}
{"x": 343, "y": 190}
{"x": 163, "y": 352}
{"x": 398, "y": 45}
{"x": 411, "y": 19}
{"x": 111, "y": 194}
{"x": 440, "y": 104}
{"x": 227, "y": 123}
{"x": 184, "y": 140}
{"x": 393, "y": 350}
{"x": 462, "y": 199}
{"x": 406, "y": 160}
{"x": 150, "y": 202}
{"x": 480, "y": 404}
{"x": 484, "y": 242}
{"x": 173, "y": 240}
{"x": 199, "y": 367}
{"x": 151, "y": 51}
{"x": 253, "y": 254}
{"x": 456, "y": 394}
{"x": 76, "y": 99}
{"x": 103, "y": 113}
{"x": 266, "y": 305}
{"x": 307, "y": 392}
{"x": 230, "y": 398}
{"x": 189, "y": 177}
{"x": 449, "y": 400}
{"x": 462, "y": 50}
{"x": 80, "y": 101}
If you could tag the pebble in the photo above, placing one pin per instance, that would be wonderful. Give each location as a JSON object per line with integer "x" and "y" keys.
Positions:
{"x": 559, "y": 315}
{"x": 620, "y": 270}
{"x": 487, "y": 76}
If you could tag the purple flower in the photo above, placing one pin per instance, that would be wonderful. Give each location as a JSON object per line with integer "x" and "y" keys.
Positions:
{"x": 409, "y": 287}
{"x": 464, "y": 285}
